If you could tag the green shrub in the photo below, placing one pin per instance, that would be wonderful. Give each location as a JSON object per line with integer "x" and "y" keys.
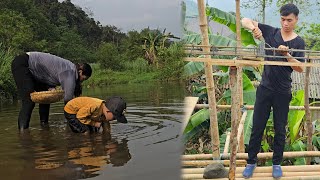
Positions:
{"x": 7, "y": 84}
{"x": 139, "y": 65}
{"x": 171, "y": 61}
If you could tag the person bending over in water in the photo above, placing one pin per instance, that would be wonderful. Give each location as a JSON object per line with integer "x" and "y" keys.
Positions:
{"x": 38, "y": 71}
{"x": 88, "y": 114}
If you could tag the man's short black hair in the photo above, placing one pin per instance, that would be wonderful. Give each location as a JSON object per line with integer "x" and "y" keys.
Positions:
{"x": 287, "y": 9}
{"x": 86, "y": 69}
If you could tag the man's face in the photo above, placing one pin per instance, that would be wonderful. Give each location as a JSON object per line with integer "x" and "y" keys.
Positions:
{"x": 289, "y": 22}
{"x": 82, "y": 77}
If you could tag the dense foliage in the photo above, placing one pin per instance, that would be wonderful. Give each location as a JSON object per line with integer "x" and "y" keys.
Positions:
{"x": 66, "y": 30}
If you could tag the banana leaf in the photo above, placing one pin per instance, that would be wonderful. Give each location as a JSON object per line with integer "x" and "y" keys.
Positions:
{"x": 196, "y": 119}
{"x": 230, "y": 21}
{"x": 299, "y": 146}
{"x": 295, "y": 117}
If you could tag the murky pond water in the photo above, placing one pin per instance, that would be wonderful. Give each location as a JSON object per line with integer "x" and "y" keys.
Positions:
{"x": 148, "y": 147}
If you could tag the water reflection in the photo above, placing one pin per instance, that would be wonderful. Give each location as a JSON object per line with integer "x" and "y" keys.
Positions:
{"x": 147, "y": 147}
{"x": 84, "y": 154}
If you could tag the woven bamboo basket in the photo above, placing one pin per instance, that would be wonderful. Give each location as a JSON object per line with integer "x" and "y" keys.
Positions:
{"x": 47, "y": 97}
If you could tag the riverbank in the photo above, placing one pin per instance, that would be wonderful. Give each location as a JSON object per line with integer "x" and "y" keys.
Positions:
{"x": 101, "y": 77}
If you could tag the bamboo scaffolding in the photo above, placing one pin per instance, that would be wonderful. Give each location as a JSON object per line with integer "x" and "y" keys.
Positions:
{"x": 214, "y": 130}
{"x": 230, "y": 62}
{"x": 251, "y": 107}
{"x": 202, "y": 163}
{"x": 234, "y": 49}
{"x": 300, "y": 168}
{"x": 267, "y": 155}
{"x": 301, "y": 172}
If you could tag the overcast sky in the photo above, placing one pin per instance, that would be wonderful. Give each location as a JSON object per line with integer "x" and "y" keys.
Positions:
{"x": 135, "y": 14}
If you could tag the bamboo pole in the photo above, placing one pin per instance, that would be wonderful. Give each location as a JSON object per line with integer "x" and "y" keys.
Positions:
{"x": 239, "y": 72}
{"x": 240, "y": 137}
{"x": 267, "y": 155}
{"x": 241, "y": 124}
{"x": 235, "y": 104}
{"x": 236, "y": 99}
{"x": 285, "y": 174}
{"x": 231, "y": 62}
{"x": 207, "y": 162}
{"x": 309, "y": 53}
{"x": 262, "y": 174}
{"x": 214, "y": 131}
{"x": 251, "y": 107}
{"x": 260, "y": 177}
{"x": 307, "y": 109}
{"x": 264, "y": 169}
{"x": 226, "y": 145}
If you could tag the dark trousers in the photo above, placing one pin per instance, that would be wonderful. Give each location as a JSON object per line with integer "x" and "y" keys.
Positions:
{"x": 265, "y": 99}
{"x": 76, "y": 126}
{"x": 26, "y": 84}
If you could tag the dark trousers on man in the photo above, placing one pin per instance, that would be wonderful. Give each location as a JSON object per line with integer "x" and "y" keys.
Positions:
{"x": 26, "y": 84}
{"x": 265, "y": 99}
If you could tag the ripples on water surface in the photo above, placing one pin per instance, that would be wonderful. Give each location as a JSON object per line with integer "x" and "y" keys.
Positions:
{"x": 148, "y": 147}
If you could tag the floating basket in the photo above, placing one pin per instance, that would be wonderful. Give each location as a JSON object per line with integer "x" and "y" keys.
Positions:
{"x": 47, "y": 97}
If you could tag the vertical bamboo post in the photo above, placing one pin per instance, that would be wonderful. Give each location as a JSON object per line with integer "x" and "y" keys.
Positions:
{"x": 214, "y": 131}
{"x": 307, "y": 109}
{"x": 239, "y": 72}
{"x": 226, "y": 145}
{"x": 235, "y": 104}
{"x": 235, "y": 84}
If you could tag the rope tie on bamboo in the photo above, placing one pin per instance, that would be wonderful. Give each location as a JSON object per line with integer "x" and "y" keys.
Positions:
{"x": 243, "y": 108}
{"x": 192, "y": 47}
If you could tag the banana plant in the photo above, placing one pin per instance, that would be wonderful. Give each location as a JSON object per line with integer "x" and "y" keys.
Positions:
{"x": 192, "y": 68}
{"x": 200, "y": 119}
{"x": 216, "y": 40}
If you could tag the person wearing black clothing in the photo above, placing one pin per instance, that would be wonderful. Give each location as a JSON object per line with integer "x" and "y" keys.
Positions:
{"x": 275, "y": 87}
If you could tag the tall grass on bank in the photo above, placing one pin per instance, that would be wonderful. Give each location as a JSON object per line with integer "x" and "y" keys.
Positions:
{"x": 101, "y": 77}
{"x": 7, "y": 84}
{"x": 139, "y": 65}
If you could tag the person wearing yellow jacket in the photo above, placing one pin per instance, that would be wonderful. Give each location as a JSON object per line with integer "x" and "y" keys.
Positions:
{"x": 85, "y": 114}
